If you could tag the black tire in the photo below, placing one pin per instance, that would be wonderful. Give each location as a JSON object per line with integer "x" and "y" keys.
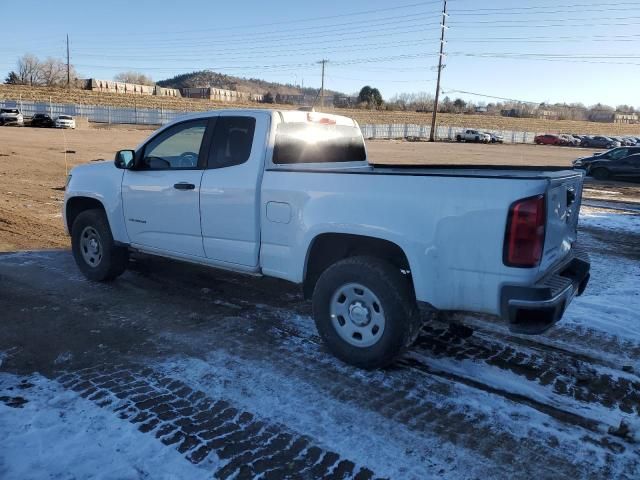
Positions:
{"x": 113, "y": 259}
{"x": 600, "y": 173}
{"x": 395, "y": 294}
{"x": 458, "y": 138}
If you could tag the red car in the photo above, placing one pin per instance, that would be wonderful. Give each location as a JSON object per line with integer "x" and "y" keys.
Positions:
{"x": 548, "y": 139}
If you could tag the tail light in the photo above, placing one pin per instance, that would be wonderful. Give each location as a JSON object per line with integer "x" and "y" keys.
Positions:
{"x": 524, "y": 238}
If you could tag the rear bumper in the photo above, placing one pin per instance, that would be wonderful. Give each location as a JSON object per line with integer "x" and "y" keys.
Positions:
{"x": 535, "y": 309}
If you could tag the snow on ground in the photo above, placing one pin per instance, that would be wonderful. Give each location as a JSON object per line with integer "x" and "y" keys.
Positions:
{"x": 611, "y": 302}
{"x": 304, "y": 407}
{"x": 609, "y": 219}
{"x": 615, "y": 310}
{"x": 391, "y": 449}
{"x": 58, "y": 434}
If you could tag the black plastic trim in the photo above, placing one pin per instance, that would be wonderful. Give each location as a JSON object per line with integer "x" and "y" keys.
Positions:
{"x": 533, "y": 310}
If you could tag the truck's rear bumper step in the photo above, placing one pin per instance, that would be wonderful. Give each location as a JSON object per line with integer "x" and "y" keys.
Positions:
{"x": 533, "y": 310}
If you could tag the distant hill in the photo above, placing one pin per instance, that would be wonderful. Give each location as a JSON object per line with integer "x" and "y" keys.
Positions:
{"x": 208, "y": 78}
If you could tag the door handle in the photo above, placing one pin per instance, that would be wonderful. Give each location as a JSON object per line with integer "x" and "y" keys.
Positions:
{"x": 184, "y": 186}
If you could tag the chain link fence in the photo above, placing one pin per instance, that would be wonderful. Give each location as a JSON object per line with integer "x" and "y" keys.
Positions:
{"x": 443, "y": 132}
{"x": 153, "y": 116}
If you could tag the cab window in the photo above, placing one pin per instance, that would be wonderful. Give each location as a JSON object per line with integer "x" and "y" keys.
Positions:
{"x": 176, "y": 148}
{"x": 232, "y": 141}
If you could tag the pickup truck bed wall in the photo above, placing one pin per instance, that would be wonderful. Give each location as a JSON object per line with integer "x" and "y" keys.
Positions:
{"x": 451, "y": 233}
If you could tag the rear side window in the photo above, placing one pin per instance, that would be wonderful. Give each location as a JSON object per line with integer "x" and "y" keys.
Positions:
{"x": 317, "y": 143}
{"x": 232, "y": 141}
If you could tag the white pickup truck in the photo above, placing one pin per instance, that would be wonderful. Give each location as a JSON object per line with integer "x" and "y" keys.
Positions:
{"x": 473, "y": 136}
{"x": 290, "y": 194}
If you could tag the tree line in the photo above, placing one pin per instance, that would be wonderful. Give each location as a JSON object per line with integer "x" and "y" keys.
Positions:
{"x": 30, "y": 70}
{"x": 424, "y": 102}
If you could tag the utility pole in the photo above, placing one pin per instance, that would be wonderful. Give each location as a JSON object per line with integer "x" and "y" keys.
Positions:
{"x": 68, "y": 66}
{"x": 323, "y": 62}
{"x": 432, "y": 136}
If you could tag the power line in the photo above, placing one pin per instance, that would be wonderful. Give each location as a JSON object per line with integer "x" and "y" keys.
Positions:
{"x": 545, "y": 12}
{"x": 553, "y": 39}
{"x": 253, "y": 27}
{"x": 554, "y": 5}
{"x": 277, "y": 66}
{"x": 506, "y": 99}
{"x": 326, "y": 17}
{"x": 335, "y": 37}
{"x": 224, "y": 38}
{"x": 465, "y": 92}
{"x": 529, "y": 24}
{"x": 271, "y": 52}
{"x": 567, "y": 59}
{"x": 524, "y": 20}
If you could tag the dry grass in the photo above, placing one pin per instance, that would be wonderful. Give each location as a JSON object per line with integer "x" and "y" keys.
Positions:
{"x": 58, "y": 95}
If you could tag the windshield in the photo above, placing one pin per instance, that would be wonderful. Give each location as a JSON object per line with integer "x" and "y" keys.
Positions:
{"x": 317, "y": 143}
{"x": 65, "y": 117}
{"x": 9, "y": 110}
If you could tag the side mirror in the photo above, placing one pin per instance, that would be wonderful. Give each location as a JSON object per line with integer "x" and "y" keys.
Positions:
{"x": 124, "y": 159}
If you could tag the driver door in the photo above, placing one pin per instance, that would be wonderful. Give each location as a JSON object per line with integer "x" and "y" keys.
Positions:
{"x": 161, "y": 195}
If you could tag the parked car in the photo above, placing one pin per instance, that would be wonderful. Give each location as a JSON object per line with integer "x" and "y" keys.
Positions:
{"x": 568, "y": 140}
{"x": 547, "y": 139}
{"x": 11, "y": 116}
{"x": 473, "y": 136}
{"x": 495, "y": 138}
{"x": 601, "y": 142}
{"x": 42, "y": 120}
{"x": 291, "y": 195}
{"x": 65, "y": 121}
{"x": 621, "y": 161}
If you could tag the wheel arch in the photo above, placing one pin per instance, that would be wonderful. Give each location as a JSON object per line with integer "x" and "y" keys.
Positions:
{"x": 76, "y": 205}
{"x": 328, "y": 248}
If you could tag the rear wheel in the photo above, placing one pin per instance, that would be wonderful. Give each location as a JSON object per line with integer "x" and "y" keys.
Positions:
{"x": 365, "y": 311}
{"x": 600, "y": 173}
{"x": 94, "y": 249}
{"x": 458, "y": 138}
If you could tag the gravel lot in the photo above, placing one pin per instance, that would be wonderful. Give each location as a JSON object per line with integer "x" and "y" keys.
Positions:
{"x": 176, "y": 371}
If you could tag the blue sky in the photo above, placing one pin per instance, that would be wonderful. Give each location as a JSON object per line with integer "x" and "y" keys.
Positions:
{"x": 563, "y": 50}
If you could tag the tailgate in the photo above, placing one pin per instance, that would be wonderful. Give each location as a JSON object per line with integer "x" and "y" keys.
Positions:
{"x": 564, "y": 196}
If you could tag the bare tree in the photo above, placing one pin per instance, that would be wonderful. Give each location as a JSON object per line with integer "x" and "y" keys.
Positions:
{"x": 29, "y": 70}
{"x": 422, "y": 102}
{"x": 134, "y": 77}
{"x": 53, "y": 72}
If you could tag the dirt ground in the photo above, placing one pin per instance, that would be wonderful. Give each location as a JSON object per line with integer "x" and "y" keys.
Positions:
{"x": 34, "y": 164}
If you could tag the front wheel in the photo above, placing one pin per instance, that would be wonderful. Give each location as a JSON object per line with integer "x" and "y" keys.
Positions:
{"x": 365, "y": 311}
{"x": 94, "y": 249}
